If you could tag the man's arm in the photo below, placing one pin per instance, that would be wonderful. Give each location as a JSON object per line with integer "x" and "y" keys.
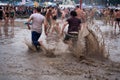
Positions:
{"x": 65, "y": 24}
{"x": 29, "y": 22}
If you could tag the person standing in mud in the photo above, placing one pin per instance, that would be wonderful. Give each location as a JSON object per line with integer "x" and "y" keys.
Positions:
{"x": 73, "y": 28}
{"x": 117, "y": 19}
{"x": 6, "y": 15}
{"x": 6, "y": 19}
{"x": 37, "y": 20}
{"x": 12, "y": 19}
{"x": 112, "y": 16}
{"x": 49, "y": 16}
{"x": 1, "y": 17}
{"x": 12, "y": 15}
{"x": 54, "y": 15}
{"x": 107, "y": 16}
{"x": 63, "y": 15}
{"x": 91, "y": 15}
{"x": 81, "y": 14}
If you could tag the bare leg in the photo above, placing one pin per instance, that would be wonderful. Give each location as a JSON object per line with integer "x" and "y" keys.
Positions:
{"x": 12, "y": 26}
{"x": 115, "y": 25}
{"x": 6, "y": 27}
{"x": 0, "y": 27}
{"x": 119, "y": 25}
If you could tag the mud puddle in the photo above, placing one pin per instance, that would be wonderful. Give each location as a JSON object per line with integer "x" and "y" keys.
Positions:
{"x": 17, "y": 62}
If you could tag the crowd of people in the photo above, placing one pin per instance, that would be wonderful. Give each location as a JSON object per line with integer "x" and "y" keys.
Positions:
{"x": 7, "y": 15}
{"x": 49, "y": 16}
{"x": 51, "y": 25}
{"x": 75, "y": 18}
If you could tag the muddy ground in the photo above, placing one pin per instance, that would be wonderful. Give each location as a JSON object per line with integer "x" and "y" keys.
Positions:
{"x": 17, "y": 62}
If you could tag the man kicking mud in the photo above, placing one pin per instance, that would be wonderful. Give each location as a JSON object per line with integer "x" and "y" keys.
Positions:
{"x": 36, "y": 29}
{"x": 73, "y": 28}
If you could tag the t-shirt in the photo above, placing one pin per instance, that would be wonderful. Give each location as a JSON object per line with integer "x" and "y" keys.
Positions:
{"x": 74, "y": 24}
{"x": 37, "y": 20}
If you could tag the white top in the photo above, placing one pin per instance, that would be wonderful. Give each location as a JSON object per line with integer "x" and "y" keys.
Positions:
{"x": 37, "y": 20}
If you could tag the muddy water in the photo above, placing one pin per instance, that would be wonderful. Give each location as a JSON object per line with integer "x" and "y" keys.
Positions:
{"x": 91, "y": 43}
{"x": 111, "y": 39}
{"x": 18, "y": 62}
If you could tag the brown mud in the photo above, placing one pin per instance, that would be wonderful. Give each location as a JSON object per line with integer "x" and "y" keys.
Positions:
{"x": 17, "y": 62}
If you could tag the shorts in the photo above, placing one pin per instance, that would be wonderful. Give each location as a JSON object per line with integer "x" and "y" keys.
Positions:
{"x": 70, "y": 36}
{"x": 118, "y": 19}
{"x": 1, "y": 18}
{"x": 54, "y": 17}
{"x": 12, "y": 17}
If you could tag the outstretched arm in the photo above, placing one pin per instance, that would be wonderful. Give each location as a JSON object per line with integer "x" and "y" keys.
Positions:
{"x": 28, "y": 22}
{"x": 65, "y": 24}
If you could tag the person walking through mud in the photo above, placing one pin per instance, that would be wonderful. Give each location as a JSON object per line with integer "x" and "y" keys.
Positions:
{"x": 37, "y": 20}
{"x": 52, "y": 37}
{"x": 73, "y": 28}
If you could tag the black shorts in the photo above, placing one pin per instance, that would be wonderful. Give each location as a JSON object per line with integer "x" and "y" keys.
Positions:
{"x": 1, "y": 18}
{"x": 54, "y": 17}
{"x": 118, "y": 19}
{"x": 70, "y": 36}
{"x": 12, "y": 17}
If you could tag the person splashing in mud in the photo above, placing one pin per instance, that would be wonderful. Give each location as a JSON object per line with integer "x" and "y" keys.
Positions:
{"x": 73, "y": 28}
{"x": 37, "y": 21}
{"x": 83, "y": 41}
{"x": 52, "y": 36}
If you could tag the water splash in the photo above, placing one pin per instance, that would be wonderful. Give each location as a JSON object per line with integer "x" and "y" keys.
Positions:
{"x": 92, "y": 44}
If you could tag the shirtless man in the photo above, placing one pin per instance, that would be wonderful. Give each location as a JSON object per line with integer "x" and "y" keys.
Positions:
{"x": 107, "y": 16}
{"x": 80, "y": 14}
{"x": 63, "y": 15}
{"x": 117, "y": 19}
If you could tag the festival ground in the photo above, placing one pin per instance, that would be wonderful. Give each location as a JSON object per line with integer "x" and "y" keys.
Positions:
{"x": 17, "y": 62}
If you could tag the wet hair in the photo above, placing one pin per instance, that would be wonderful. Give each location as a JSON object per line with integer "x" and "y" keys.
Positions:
{"x": 38, "y": 9}
{"x": 73, "y": 13}
{"x": 111, "y": 11}
{"x": 77, "y": 6}
{"x": 116, "y": 10}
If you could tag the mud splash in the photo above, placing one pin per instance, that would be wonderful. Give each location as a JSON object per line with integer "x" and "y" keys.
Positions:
{"x": 17, "y": 62}
{"x": 91, "y": 43}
